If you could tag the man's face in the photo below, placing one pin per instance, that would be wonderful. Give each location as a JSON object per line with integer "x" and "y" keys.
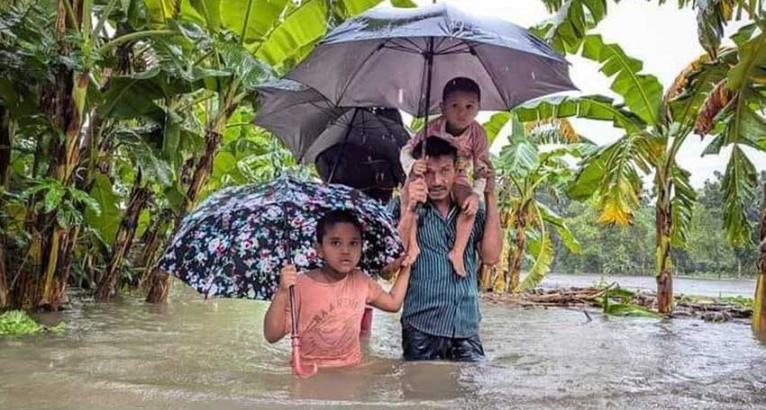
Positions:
{"x": 440, "y": 175}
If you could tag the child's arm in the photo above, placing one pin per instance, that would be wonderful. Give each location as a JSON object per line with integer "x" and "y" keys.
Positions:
{"x": 391, "y": 301}
{"x": 274, "y": 327}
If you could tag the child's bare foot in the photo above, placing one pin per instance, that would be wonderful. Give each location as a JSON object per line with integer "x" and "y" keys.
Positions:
{"x": 457, "y": 263}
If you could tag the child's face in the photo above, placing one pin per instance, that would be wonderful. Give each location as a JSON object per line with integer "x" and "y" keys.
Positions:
{"x": 341, "y": 247}
{"x": 460, "y": 109}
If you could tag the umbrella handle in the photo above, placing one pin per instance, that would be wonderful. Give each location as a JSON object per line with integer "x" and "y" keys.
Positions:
{"x": 298, "y": 368}
{"x": 293, "y": 314}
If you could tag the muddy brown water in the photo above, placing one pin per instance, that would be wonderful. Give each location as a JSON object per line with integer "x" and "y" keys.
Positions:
{"x": 199, "y": 354}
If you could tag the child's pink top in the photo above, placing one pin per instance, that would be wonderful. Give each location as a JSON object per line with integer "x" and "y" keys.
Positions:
{"x": 472, "y": 148}
{"x": 330, "y": 316}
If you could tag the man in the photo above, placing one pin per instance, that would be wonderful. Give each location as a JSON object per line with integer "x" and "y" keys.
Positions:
{"x": 440, "y": 319}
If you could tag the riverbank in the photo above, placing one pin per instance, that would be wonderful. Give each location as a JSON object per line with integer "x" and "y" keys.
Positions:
{"x": 681, "y": 285}
{"x": 613, "y": 300}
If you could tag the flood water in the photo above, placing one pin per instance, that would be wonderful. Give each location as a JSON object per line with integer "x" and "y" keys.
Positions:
{"x": 197, "y": 355}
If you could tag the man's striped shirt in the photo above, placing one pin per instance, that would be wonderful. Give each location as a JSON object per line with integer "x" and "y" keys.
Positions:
{"x": 439, "y": 302}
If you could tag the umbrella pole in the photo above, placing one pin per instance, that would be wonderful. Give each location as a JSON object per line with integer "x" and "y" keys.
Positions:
{"x": 427, "y": 106}
{"x": 298, "y": 368}
{"x": 429, "y": 56}
{"x": 342, "y": 147}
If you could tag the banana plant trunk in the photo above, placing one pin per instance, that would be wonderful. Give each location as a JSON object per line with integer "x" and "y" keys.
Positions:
{"x": 516, "y": 255}
{"x": 42, "y": 284}
{"x": 759, "y": 303}
{"x": 485, "y": 277}
{"x": 5, "y": 167}
{"x": 4, "y": 291}
{"x": 152, "y": 240}
{"x": 5, "y": 147}
{"x": 664, "y": 263}
{"x": 158, "y": 283}
{"x": 123, "y": 240}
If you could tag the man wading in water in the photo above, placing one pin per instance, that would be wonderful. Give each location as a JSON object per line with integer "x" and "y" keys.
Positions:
{"x": 440, "y": 320}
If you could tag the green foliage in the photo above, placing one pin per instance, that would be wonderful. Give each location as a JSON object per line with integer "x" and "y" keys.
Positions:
{"x": 573, "y": 18}
{"x": 163, "y": 79}
{"x": 526, "y": 171}
{"x": 618, "y": 302}
{"x": 18, "y": 323}
{"x": 627, "y": 250}
{"x": 641, "y": 93}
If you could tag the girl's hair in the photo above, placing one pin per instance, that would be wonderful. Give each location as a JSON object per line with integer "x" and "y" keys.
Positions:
{"x": 333, "y": 218}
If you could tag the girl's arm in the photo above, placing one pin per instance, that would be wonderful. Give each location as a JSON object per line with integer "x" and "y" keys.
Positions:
{"x": 276, "y": 317}
{"x": 391, "y": 301}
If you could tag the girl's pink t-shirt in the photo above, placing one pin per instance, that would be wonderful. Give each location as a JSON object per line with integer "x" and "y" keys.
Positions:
{"x": 329, "y": 318}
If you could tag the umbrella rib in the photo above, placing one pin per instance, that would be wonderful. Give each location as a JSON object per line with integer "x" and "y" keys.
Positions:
{"x": 416, "y": 48}
{"x": 460, "y": 47}
{"x": 403, "y": 47}
{"x": 441, "y": 41}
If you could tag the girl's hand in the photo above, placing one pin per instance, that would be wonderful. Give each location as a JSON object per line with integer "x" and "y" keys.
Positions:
{"x": 287, "y": 277}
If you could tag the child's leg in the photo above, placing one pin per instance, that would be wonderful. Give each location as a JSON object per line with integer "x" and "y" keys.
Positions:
{"x": 413, "y": 250}
{"x": 462, "y": 230}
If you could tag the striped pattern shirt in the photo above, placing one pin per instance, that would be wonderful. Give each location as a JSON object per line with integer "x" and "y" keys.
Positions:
{"x": 438, "y": 302}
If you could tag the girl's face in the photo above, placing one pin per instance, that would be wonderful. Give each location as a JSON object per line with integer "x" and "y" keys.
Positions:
{"x": 341, "y": 247}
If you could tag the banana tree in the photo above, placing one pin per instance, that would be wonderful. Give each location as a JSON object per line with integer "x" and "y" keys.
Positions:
{"x": 733, "y": 114}
{"x": 654, "y": 129}
{"x": 573, "y": 19}
{"x": 57, "y": 54}
{"x": 249, "y": 40}
{"x": 525, "y": 172}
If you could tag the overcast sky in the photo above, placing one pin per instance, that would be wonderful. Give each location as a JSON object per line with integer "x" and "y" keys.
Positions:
{"x": 663, "y": 37}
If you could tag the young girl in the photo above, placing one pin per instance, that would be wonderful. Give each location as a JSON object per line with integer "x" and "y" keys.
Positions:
{"x": 330, "y": 301}
{"x": 460, "y": 104}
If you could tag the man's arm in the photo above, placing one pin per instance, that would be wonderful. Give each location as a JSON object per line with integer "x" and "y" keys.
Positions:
{"x": 416, "y": 192}
{"x": 492, "y": 239}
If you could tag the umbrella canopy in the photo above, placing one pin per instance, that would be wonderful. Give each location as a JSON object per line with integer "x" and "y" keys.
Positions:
{"x": 236, "y": 241}
{"x": 309, "y": 124}
{"x": 394, "y": 57}
{"x": 359, "y": 167}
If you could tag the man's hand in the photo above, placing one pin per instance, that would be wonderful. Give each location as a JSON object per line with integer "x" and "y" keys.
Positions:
{"x": 419, "y": 168}
{"x": 287, "y": 277}
{"x": 417, "y": 192}
{"x": 471, "y": 205}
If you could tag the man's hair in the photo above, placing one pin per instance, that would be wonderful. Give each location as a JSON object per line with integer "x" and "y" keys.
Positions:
{"x": 463, "y": 84}
{"x": 333, "y": 218}
{"x": 435, "y": 147}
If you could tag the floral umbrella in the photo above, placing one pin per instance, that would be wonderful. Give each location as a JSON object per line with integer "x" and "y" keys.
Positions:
{"x": 233, "y": 244}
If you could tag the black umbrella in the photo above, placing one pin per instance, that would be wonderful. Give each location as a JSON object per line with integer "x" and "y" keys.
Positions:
{"x": 394, "y": 57}
{"x": 358, "y": 147}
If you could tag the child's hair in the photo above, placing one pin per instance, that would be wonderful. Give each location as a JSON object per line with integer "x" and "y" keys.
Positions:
{"x": 333, "y": 218}
{"x": 435, "y": 147}
{"x": 463, "y": 84}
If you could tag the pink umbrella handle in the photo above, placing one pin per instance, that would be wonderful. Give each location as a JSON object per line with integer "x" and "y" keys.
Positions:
{"x": 298, "y": 368}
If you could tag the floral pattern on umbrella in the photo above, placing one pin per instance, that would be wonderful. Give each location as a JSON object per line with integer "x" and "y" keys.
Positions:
{"x": 234, "y": 244}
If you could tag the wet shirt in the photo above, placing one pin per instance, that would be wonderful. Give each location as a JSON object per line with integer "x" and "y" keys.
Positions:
{"x": 439, "y": 302}
{"x": 330, "y": 316}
